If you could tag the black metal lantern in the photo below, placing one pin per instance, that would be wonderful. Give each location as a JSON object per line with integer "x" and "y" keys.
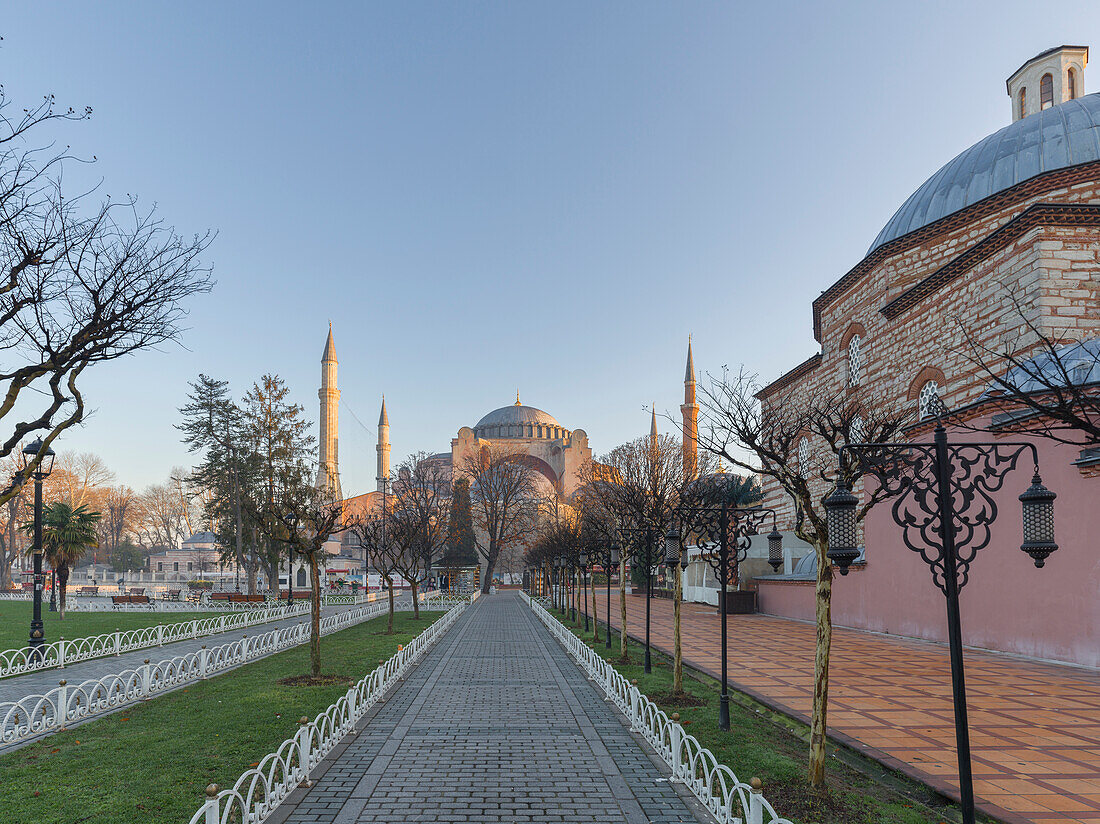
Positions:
{"x": 840, "y": 513}
{"x": 672, "y": 545}
{"x": 615, "y": 553}
{"x": 31, "y": 450}
{"x": 583, "y": 560}
{"x": 1038, "y": 506}
{"x": 775, "y": 549}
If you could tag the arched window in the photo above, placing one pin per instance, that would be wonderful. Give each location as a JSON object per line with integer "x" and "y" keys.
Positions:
{"x": 928, "y": 400}
{"x": 1023, "y": 101}
{"x": 1071, "y": 84}
{"x": 804, "y": 456}
{"x": 1046, "y": 91}
{"x": 855, "y": 360}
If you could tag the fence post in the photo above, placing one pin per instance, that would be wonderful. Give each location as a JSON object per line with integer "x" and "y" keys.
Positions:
{"x": 62, "y": 713}
{"x": 756, "y": 809}
{"x": 61, "y": 652}
{"x": 194, "y": 629}
{"x": 305, "y": 747}
{"x": 675, "y": 737}
{"x": 210, "y": 806}
{"x": 160, "y": 635}
{"x": 203, "y": 655}
{"x": 118, "y": 642}
{"x": 221, "y": 623}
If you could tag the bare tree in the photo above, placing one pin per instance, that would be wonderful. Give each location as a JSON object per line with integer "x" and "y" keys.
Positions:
{"x": 162, "y": 515}
{"x": 118, "y": 514}
{"x": 503, "y": 488}
{"x": 80, "y": 283}
{"x": 421, "y": 514}
{"x": 795, "y": 440}
{"x": 1049, "y": 383}
{"x": 374, "y": 535}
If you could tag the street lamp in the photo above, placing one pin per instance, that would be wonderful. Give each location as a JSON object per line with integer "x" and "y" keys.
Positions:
{"x": 42, "y": 460}
{"x": 726, "y": 531}
{"x": 582, "y": 559}
{"x": 645, "y": 552}
{"x": 607, "y": 557}
{"x": 943, "y": 501}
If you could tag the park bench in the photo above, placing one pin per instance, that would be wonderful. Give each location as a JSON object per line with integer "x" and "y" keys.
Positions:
{"x": 238, "y": 597}
{"x": 299, "y": 595}
{"x": 172, "y": 595}
{"x": 89, "y": 591}
{"x": 137, "y": 591}
{"x": 219, "y": 596}
{"x": 116, "y": 600}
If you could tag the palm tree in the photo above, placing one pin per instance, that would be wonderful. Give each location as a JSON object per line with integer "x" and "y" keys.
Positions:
{"x": 67, "y": 534}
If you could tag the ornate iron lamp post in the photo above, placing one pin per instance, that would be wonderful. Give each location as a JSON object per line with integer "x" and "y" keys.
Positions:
{"x": 644, "y": 544}
{"x": 291, "y": 522}
{"x": 41, "y": 472}
{"x": 722, "y": 533}
{"x": 943, "y": 501}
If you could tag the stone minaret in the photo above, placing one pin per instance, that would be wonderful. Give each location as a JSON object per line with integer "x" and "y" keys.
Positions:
{"x": 653, "y": 440}
{"x": 689, "y": 410}
{"x": 383, "y": 445}
{"x": 328, "y": 459}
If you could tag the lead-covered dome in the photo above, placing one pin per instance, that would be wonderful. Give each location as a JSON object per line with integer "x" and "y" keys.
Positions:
{"x": 1064, "y": 135}
{"x": 519, "y": 421}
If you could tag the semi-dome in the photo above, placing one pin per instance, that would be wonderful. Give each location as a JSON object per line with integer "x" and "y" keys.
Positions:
{"x": 519, "y": 421}
{"x": 1055, "y": 138}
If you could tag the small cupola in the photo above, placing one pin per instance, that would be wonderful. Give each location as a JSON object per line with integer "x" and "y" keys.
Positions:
{"x": 1050, "y": 78}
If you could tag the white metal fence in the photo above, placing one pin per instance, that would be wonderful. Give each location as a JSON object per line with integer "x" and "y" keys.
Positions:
{"x": 37, "y": 715}
{"x": 62, "y": 652}
{"x": 260, "y": 790}
{"x": 731, "y": 800}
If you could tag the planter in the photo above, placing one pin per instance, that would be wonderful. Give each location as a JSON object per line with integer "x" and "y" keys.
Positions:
{"x": 741, "y": 602}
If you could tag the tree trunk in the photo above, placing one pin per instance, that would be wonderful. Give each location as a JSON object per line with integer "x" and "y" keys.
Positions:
{"x": 490, "y": 562}
{"x": 389, "y": 586}
{"x": 62, "y": 584}
{"x": 416, "y": 603}
{"x": 595, "y": 620}
{"x": 315, "y": 618}
{"x": 819, "y": 719}
{"x": 622, "y": 611}
{"x": 677, "y": 651}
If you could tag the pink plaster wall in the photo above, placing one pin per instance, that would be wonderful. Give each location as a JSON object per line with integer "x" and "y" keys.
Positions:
{"x": 1008, "y": 604}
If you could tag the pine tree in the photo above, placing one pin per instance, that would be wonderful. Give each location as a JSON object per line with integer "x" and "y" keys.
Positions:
{"x": 461, "y": 547}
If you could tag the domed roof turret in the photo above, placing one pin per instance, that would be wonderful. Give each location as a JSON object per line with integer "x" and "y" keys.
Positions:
{"x": 1061, "y": 136}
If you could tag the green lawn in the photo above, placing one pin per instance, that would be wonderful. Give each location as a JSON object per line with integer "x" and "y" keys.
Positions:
{"x": 152, "y": 761}
{"x": 765, "y": 744}
{"x": 15, "y": 622}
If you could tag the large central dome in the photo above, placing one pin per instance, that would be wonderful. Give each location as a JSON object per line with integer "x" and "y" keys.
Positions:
{"x": 1064, "y": 135}
{"x": 518, "y": 421}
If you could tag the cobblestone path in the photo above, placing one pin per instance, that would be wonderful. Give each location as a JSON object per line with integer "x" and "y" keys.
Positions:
{"x": 496, "y": 724}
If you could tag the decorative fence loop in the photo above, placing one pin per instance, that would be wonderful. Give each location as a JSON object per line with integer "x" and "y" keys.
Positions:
{"x": 731, "y": 800}
{"x": 257, "y": 793}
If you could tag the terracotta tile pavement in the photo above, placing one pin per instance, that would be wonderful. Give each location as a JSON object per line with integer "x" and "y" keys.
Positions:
{"x": 1034, "y": 726}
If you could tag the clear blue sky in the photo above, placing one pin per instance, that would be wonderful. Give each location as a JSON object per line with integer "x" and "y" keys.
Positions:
{"x": 485, "y": 196}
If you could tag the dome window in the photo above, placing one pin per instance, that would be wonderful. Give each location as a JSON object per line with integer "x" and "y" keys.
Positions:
{"x": 1023, "y": 101}
{"x": 1071, "y": 84}
{"x": 928, "y": 400}
{"x": 1046, "y": 91}
{"x": 855, "y": 360}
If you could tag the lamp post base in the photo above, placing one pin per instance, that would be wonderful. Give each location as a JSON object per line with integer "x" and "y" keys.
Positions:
{"x": 724, "y": 712}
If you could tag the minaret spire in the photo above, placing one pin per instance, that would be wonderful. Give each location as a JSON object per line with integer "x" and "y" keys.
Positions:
{"x": 653, "y": 427}
{"x": 383, "y": 447}
{"x": 689, "y": 412}
{"x": 328, "y": 447}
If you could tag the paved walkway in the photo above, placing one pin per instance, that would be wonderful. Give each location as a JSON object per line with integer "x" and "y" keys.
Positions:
{"x": 1034, "y": 727}
{"x": 496, "y": 724}
{"x": 20, "y": 686}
